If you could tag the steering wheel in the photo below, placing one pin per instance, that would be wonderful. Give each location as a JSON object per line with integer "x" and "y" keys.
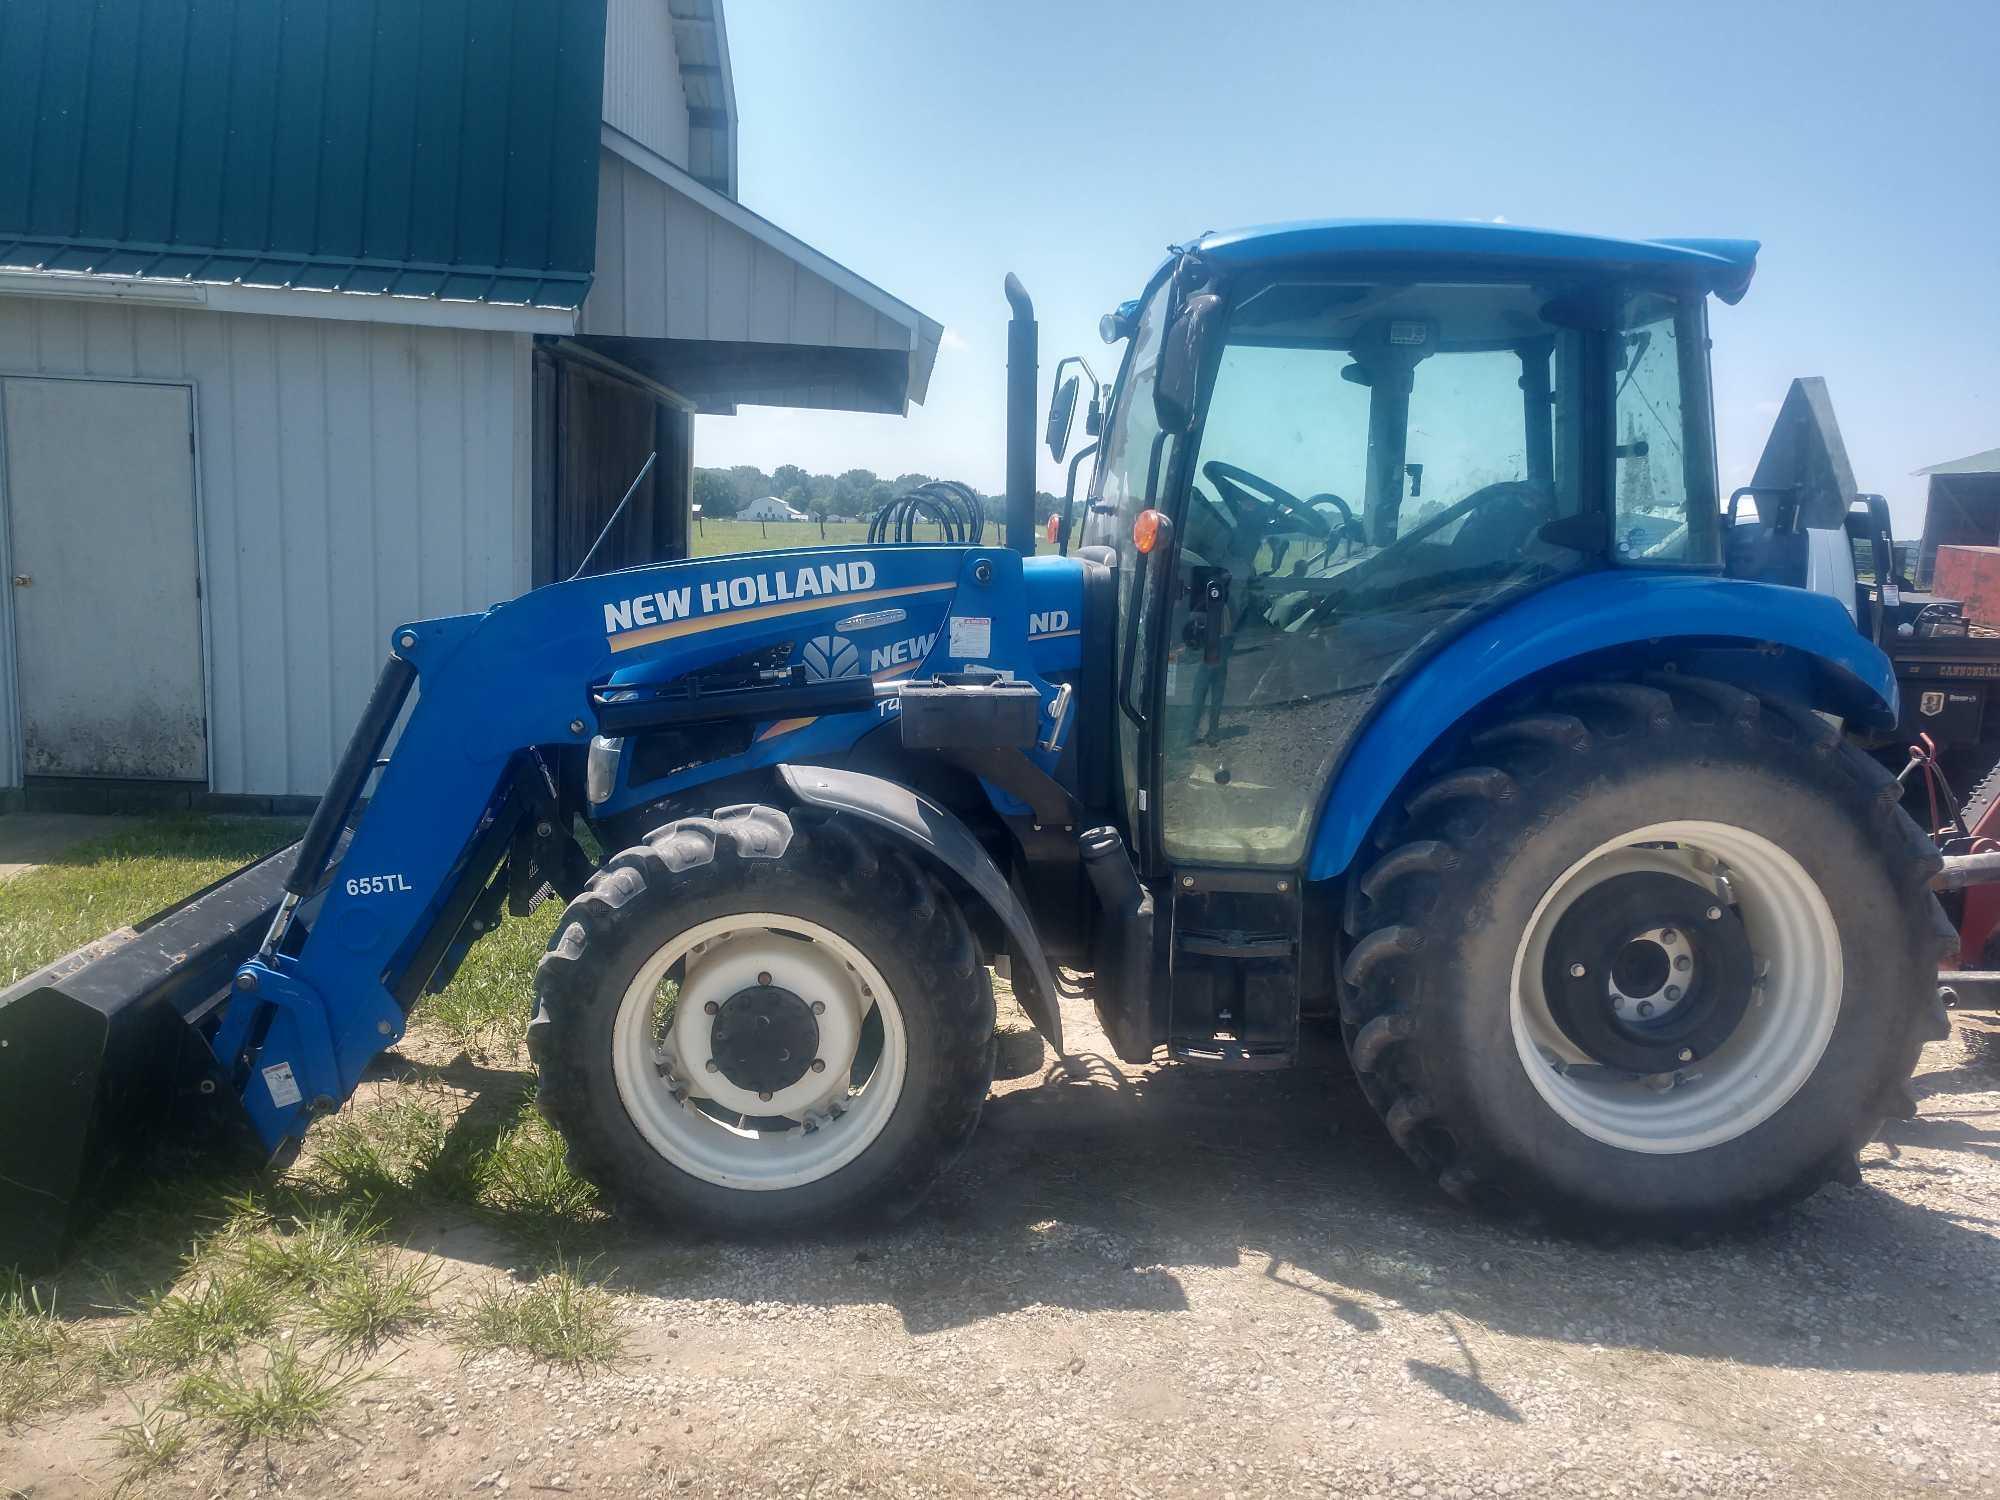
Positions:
{"x": 1239, "y": 489}
{"x": 1523, "y": 494}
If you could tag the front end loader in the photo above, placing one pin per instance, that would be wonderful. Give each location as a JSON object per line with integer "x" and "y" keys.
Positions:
{"x": 1395, "y": 677}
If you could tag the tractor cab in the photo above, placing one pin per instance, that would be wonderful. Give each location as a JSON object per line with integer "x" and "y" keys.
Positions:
{"x": 1354, "y": 440}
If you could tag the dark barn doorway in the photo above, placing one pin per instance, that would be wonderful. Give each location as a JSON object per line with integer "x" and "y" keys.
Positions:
{"x": 592, "y": 431}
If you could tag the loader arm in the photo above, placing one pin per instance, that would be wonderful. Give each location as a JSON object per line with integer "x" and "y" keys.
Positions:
{"x": 497, "y": 697}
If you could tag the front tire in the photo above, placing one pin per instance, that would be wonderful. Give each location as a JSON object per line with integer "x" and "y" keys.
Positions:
{"x": 753, "y": 1022}
{"x": 1660, "y": 956}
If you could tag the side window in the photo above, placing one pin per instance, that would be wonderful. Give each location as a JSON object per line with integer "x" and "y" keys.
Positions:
{"x": 1663, "y": 476}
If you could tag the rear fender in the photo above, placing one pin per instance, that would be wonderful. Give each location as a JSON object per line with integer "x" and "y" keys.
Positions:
{"x": 1794, "y": 643}
{"x": 941, "y": 839}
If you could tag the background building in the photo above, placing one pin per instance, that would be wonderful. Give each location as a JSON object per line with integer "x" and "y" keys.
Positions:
{"x": 1962, "y": 506}
{"x": 316, "y": 317}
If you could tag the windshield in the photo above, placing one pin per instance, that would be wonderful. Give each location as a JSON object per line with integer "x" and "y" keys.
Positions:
{"x": 1129, "y": 468}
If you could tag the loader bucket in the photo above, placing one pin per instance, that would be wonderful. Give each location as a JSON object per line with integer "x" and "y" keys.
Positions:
{"x": 105, "y": 1065}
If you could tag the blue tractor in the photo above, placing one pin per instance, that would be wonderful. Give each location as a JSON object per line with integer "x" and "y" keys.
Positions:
{"x": 1392, "y": 678}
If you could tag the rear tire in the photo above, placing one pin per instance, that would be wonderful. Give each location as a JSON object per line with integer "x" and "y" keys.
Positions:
{"x": 1495, "y": 1041}
{"x": 701, "y": 944}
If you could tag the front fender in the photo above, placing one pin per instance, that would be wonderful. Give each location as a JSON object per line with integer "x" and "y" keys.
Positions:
{"x": 1581, "y": 617}
{"x": 941, "y": 837}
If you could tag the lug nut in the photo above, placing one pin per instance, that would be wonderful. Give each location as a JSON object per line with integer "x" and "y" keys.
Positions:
{"x": 765, "y": 1095}
{"x": 1715, "y": 914}
{"x": 712, "y": 1065}
{"x": 1668, "y": 935}
{"x": 819, "y": 1065}
{"x": 764, "y": 978}
{"x": 1683, "y": 962}
{"x": 710, "y": 1008}
{"x": 1687, "y": 1054}
{"x": 819, "y": 1007}
{"x": 1673, "y": 992}
{"x": 1577, "y": 971}
{"x": 1645, "y": 1007}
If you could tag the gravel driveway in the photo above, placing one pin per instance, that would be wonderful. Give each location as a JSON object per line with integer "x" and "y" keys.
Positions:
{"x": 1148, "y": 1281}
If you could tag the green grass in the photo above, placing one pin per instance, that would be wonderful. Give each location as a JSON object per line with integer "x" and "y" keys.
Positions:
{"x": 150, "y": 1444}
{"x": 224, "y": 1309}
{"x": 558, "y": 1318}
{"x": 110, "y": 882}
{"x": 292, "y": 1395}
{"x": 365, "y": 1305}
{"x": 498, "y": 1160}
{"x": 43, "y": 1361}
{"x": 484, "y": 1011}
{"x": 301, "y": 1252}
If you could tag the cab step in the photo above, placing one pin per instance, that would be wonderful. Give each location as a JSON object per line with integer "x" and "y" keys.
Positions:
{"x": 1233, "y": 975}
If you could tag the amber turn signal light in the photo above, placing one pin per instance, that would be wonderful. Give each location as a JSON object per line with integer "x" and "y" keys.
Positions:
{"x": 1146, "y": 530}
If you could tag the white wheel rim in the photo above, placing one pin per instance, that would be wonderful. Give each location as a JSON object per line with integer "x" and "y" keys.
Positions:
{"x": 709, "y": 1127}
{"x": 1774, "y": 1049}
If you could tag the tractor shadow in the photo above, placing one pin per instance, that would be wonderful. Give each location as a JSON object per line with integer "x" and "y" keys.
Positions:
{"x": 1091, "y": 1186}
{"x": 1098, "y": 1187}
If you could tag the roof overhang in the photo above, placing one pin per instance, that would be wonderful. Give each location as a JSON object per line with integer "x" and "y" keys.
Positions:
{"x": 716, "y": 302}
{"x": 1973, "y": 463}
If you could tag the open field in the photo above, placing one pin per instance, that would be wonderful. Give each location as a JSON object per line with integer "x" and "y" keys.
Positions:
{"x": 1140, "y": 1281}
{"x": 713, "y": 538}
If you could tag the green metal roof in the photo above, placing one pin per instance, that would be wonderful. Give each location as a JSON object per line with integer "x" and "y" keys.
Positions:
{"x": 430, "y": 148}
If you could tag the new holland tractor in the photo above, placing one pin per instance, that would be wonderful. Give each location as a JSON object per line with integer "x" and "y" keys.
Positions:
{"x": 1394, "y": 680}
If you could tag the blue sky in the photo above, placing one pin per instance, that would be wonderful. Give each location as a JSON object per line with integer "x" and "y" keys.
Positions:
{"x": 932, "y": 147}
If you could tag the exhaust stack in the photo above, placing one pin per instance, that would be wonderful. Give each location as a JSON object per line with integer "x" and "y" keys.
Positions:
{"x": 1021, "y": 378}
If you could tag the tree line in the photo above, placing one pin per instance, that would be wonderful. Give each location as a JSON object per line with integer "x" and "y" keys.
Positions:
{"x": 857, "y": 492}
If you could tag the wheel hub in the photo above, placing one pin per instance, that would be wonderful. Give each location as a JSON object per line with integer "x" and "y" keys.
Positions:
{"x": 764, "y": 1038}
{"x": 1648, "y": 972}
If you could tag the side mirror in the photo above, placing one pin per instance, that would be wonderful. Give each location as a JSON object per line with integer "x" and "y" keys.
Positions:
{"x": 1062, "y": 413}
{"x": 1177, "y": 386}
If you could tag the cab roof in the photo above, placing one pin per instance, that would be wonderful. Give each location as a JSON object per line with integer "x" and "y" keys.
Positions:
{"x": 1722, "y": 267}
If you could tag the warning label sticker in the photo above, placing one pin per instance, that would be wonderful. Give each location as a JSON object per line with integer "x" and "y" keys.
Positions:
{"x": 971, "y": 637}
{"x": 283, "y": 1086}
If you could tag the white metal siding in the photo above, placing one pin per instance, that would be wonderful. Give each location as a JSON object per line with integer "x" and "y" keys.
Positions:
{"x": 669, "y": 268}
{"x": 643, "y": 95}
{"x": 350, "y": 476}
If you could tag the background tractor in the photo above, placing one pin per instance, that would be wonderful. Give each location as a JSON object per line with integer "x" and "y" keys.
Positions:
{"x": 1404, "y": 674}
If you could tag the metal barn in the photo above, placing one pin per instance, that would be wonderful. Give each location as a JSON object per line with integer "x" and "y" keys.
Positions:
{"x": 316, "y": 317}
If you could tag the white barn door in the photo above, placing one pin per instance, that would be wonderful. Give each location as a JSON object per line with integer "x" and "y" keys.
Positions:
{"x": 107, "y": 615}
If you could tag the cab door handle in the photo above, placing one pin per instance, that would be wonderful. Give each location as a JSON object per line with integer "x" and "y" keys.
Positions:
{"x": 24, "y": 580}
